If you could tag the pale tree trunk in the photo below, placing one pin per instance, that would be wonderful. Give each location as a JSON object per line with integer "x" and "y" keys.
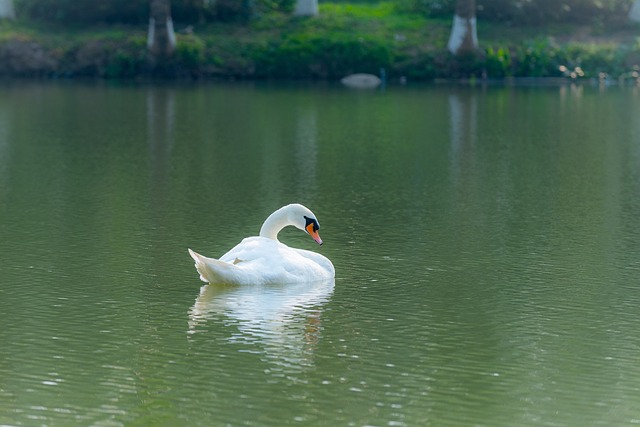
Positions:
{"x": 6, "y": 9}
{"x": 161, "y": 39}
{"x": 634, "y": 13}
{"x": 306, "y": 8}
{"x": 464, "y": 36}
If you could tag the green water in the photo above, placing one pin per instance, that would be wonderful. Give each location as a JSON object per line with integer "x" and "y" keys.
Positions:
{"x": 486, "y": 245}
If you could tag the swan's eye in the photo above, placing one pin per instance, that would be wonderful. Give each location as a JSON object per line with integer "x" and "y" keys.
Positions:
{"x": 313, "y": 222}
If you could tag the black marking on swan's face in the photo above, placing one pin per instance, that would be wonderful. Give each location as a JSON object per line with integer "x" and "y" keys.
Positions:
{"x": 312, "y": 228}
{"x": 313, "y": 222}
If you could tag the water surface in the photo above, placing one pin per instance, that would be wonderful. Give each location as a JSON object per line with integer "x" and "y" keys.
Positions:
{"x": 485, "y": 242}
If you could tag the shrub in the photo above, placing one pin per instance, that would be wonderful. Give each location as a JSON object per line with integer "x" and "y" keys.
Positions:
{"x": 321, "y": 57}
{"x": 538, "y": 58}
{"x": 190, "y": 51}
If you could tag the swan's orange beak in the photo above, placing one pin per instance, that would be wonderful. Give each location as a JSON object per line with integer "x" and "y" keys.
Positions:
{"x": 314, "y": 234}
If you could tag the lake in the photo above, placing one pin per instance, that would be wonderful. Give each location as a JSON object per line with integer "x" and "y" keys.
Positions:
{"x": 486, "y": 242}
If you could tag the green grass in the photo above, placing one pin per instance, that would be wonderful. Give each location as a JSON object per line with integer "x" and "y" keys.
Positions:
{"x": 375, "y": 11}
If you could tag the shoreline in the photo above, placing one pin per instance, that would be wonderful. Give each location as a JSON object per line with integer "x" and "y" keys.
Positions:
{"x": 297, "y": 52}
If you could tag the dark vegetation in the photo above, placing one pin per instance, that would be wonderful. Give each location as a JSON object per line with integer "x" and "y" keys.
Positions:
{"x": 261, "y": 39}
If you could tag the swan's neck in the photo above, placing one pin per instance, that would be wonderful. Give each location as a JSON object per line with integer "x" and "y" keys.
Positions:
{"x": 274, "y": 223}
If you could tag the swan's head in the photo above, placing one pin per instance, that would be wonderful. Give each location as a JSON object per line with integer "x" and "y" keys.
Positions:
{"x": 294, "y": 214}
{"x": 305, "y": 220}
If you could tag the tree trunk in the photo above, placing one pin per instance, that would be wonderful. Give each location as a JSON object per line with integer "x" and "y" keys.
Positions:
{"x": 161, "y": 39}
{"x": 306, "y": 8}
{"x": 634, "y": 13}
{"x": 464, "y": 36}
{"x": 6, "y": 9}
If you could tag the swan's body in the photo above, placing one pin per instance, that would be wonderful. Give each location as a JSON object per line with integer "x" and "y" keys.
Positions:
{"x": 264, "y": 260}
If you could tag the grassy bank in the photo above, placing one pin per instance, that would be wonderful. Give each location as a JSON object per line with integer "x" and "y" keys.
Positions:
{"x": 344, "y": 39}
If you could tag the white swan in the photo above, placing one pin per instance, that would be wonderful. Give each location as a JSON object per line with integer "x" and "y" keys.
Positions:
{"x": 264, "y": 260}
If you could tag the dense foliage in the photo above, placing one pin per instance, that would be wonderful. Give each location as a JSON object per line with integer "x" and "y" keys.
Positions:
{"x": 137, "y": 11}
{"x": 530, "y": 12}
{"x": 347, "y": 37}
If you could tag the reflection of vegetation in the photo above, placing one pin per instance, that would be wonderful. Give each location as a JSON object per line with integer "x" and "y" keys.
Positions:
{"x": 345, "y": 38}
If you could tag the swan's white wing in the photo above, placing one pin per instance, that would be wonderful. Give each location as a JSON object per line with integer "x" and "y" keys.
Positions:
{"x": 260, "y": 260}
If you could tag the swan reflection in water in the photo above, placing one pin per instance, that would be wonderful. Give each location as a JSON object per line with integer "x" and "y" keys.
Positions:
{"x": 285, "y": 320}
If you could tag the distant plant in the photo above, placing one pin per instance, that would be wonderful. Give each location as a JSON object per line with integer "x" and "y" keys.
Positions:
{"x": 498, "y": 62}
{"x": 537, "y": 58}
{"x": 190, "y": 51}
{"x": 126, "y": 61}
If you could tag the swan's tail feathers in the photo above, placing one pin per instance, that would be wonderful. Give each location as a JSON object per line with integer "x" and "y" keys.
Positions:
{"x": 200, "y": 264}
{"x": 212, "y": 270}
